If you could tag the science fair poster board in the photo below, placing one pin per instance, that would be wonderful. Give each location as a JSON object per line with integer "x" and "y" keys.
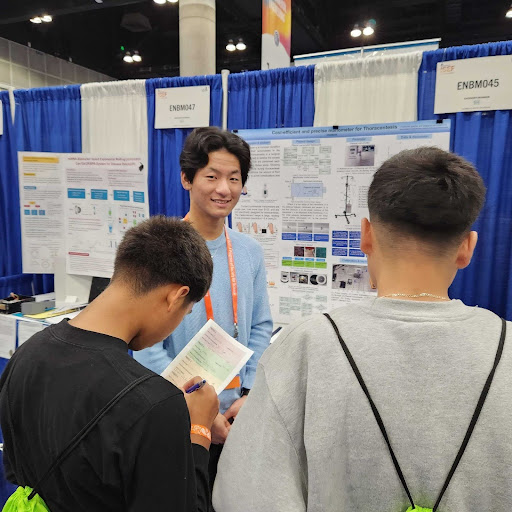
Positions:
{"x": 79, "y": 205}
{"x": 304, "y": 201}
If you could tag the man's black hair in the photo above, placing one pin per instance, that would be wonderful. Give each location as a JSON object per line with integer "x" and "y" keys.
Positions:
{"x": 427, "y": 193}
{"x": 164, "y": 250}
{"x": 203, "y": 141}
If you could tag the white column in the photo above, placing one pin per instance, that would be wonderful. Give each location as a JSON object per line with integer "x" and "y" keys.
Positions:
{"x": 197, "y": 37}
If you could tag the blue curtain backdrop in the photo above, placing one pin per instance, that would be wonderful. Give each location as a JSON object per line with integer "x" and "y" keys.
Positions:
{"x": 9, "y": 238}
{"x": 484, "y": 138}
{"x": 10, "y": 254}
{"x": 279, "y": 98}
{"x": 166, "y": 195}
{"x": 47, "y": 119}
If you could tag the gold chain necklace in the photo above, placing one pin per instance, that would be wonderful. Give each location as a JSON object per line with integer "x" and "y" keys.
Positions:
{"x": 415, "y": 295}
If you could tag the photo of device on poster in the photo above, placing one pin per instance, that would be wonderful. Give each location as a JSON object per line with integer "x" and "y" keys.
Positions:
{"x": 351, "y": 278}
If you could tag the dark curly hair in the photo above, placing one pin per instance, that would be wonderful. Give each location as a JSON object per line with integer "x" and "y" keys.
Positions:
{"x": 202, "y": 141}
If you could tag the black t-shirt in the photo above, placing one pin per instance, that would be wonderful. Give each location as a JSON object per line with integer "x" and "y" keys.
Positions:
{"x": 137, "y": 458}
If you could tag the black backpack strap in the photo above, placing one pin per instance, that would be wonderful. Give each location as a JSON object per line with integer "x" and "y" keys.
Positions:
{"x": 472, "y": 424}
{"x": 373, "y": 406}
{"x": 476, "y": 414}
{"x": 85, "y": 431}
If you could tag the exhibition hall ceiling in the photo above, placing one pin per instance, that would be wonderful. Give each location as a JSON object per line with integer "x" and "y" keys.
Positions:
{"x": 92, "y": 32}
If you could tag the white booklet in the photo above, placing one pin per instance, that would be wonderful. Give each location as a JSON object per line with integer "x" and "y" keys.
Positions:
{"x": 211, "y": 354}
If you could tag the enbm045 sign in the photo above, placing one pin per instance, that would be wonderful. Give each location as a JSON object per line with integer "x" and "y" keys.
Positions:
{"x": 468, "y": 85}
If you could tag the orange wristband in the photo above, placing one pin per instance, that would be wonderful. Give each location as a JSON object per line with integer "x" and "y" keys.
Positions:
{"x": 201, "y": 430}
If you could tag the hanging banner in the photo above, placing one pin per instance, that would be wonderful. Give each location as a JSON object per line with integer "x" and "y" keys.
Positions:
{"x": 1, "y": 118}
{"x": 182, "y": 107}
{"x": 276, "y": 34}
{"x": 304, "y": 201}
{"x": 469, "y": 85}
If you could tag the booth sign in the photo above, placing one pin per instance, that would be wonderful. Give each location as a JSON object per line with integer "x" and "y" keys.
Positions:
{"x": 182, "y": 107}
{"x": 468, "y": 85}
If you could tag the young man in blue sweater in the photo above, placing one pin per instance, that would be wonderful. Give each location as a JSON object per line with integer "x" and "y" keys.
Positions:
{"x": 214, "y": 168}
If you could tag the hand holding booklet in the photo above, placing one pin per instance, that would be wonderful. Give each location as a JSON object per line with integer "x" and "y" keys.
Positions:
{"x": 212, "y": 354}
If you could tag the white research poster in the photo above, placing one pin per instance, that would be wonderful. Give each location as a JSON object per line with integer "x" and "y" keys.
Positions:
{"x": 182, "y": 107}
{"x": 304, "y": 201}
{"x": 42, "y": 210}
{"x": 79, "y": 205}
{"x": 105, "y": 196}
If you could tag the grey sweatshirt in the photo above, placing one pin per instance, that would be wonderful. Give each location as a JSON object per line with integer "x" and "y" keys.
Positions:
{"x": 306, "y": 438}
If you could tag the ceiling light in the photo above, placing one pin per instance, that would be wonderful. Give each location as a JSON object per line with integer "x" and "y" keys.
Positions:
{"x": 36, "y": 19}
{"x": 241, "y": 45}
{"x": 368, "y": 31}
{"x": 159, "y": 1}
{"x": 99, "y": 1}
{"x": 509, "y": 12}
{"x": 172, "y": 1}
{"x": 356, "y": 31}
{"x": 47, "y": 18}
{"x": 230, "y": 47}
{"x": 136, "y": 57}
{"x": 128, "y": 57}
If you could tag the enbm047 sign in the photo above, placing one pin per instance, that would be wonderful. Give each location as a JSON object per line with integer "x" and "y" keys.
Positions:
{"x": 468, "y": 85}
{"x": 182, "y": 107}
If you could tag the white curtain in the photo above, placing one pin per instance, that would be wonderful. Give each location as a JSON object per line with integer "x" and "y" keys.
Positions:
{"x": 115, "y": 118}
{"x": 371, "y": 90}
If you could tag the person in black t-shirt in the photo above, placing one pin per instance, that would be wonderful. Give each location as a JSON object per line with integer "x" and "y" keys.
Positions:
{"x": 150, "y": 451}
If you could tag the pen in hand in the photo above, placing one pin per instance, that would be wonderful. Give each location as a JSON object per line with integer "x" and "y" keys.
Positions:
{"x": 196, "y": 386}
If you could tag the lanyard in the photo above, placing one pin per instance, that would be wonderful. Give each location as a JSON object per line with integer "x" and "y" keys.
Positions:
{"x": 234, "y": 289}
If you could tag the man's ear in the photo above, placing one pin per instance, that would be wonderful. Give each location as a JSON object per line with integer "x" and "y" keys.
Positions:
{"x": 184, "y": 182}
{"x": 366, "y": 236}
{"x": 466, "y": 250}
{"x": 176, "y": 295}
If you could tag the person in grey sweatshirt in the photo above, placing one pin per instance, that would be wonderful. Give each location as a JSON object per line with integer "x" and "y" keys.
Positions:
{"x": 308, "y": 439}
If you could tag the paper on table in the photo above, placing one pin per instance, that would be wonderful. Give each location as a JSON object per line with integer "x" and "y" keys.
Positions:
{"x": 62, "y": 310}
{"x": 211, "y": 354}
{"x": 57, "y": 319}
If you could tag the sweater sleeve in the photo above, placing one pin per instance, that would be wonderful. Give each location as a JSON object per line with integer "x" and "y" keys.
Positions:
{"x": 261, "y": 320}
{"x": 161, "y": 469}
{"x": 259, "y": 469}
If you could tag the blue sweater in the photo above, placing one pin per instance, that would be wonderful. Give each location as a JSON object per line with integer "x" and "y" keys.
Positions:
{"x": 254, "y": 319}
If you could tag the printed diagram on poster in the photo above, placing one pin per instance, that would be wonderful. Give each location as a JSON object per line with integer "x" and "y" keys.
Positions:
{"x": 79, "y": 205}
{"x": 304, "y": 202}
{"x": 105, "y": 196}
